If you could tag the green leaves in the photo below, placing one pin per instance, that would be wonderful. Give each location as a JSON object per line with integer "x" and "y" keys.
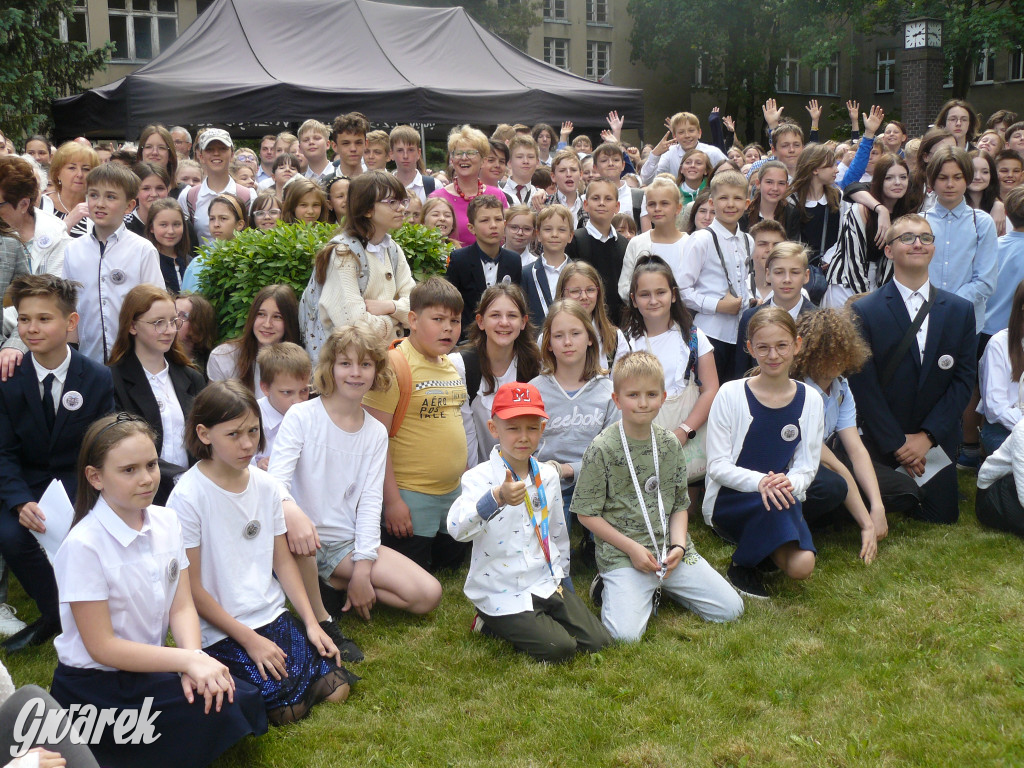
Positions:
{"x": 426, "y": 249}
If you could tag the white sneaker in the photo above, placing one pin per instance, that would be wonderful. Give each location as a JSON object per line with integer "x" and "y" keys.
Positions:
{"x": 9, "y": 623}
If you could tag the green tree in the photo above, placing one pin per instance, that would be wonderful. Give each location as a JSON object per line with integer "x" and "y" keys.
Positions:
{"x": 969, "y": 26}
{"x": 36, "y": 66}
{"x": 738, "y": 42}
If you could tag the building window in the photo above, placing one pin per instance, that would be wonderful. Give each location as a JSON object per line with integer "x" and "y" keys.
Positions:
{"x": 599, "y": 58}
{"x": 787, "y": 76}
{"x": 140, "y": 29}
{"x": 597, "y": 12}
{"x": 699, "y": 75}
{"x": 825, "y": 80}
{"x": 75, "y": 29}
{"x": 885, "y": 70}
{"x": 984, "y": 67}
{"x": 556, "y": 52}
{"x": 554, "y": 10}
{"x": 1016, "y": 65}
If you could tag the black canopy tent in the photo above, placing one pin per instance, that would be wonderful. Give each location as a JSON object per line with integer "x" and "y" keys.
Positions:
{"x": 282, "y": 61}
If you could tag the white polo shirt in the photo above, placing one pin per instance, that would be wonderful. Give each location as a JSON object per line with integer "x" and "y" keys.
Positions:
{"x": 107, "y": 276}
{"x": 235, "y": 533}
{"x": 135, "y": 572}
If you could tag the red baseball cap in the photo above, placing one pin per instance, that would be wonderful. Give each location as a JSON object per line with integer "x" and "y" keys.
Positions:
{"x": 515, "y": 399}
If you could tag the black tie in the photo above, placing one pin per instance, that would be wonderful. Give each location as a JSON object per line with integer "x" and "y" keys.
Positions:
{"x": 48, "y": 409}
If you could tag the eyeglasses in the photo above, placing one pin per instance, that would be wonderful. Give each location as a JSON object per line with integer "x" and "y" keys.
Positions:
{"x": 267, "y": 213}
{"x": 957, "y": 120}
{"x": 183, "y": 316}
{"x": 908, "y": 238}
{"x": 245, "y": 158}
{"x": 395, "y": 205}
{"x": 464, "y": 153}
{"x": 161, "y": 325}
{"x": 575, "y": 293}
{"x": 782, "y": 348}
{"x": 519, "y": 229}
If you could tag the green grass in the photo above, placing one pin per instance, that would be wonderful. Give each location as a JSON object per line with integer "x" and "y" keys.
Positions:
{"x": 915, "y": 660}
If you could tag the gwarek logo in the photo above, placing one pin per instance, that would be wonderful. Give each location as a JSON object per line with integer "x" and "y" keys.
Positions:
{"x": 84, "y": 724}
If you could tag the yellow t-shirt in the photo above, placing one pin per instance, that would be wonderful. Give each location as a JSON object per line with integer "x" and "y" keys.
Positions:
{"x": 429, "y": 451}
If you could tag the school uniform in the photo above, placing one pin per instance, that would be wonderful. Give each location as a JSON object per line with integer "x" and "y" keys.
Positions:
{"x": 928, "y": 391}
{"x": 1001, "y": 392}
{"x": 107, "y": 272}
{"x": 605, "y": 254}
{"x": 137, "y": 573}
{"x": 643, "y": 244}
{"x": 518, "y": 590}
{"x": 746, "y": 440}
{"x": 164, "y": 401}
{"x": 472, "y": 272}
{"x": 999, "y": 503}
{"x": 539, "y": 282}
{"x": 271, "y": 419}
{"x": 522, "y": 194}
{"x": 35, "y": 450}
{"x": 744, "y": 362}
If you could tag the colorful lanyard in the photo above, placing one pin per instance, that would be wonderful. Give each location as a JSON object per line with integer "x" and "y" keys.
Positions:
{"x": 540, "y": 526}
{"x": 643, "y": 505}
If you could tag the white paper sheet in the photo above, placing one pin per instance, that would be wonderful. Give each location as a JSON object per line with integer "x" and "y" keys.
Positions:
{"x": 59, "y": 512}
{"x": 935, "y": 460}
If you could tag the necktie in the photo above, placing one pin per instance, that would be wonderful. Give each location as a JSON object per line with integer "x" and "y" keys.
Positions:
{"x": 519, "y": 192}
{"x": 48, "y": 409}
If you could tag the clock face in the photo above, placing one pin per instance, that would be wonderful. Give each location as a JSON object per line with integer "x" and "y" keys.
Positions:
{"x": 914, "y": 35}
{"x": 934, "y": 36}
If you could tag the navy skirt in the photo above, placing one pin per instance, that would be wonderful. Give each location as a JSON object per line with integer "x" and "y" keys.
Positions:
{"x": 311, "y": 677}
{"x": 186, "y": 736}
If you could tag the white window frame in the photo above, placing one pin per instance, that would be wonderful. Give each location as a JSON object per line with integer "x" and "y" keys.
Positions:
{"x": 135, "y": 9}
{"x": 885, "y": 70}
{"x": 595, "y": 72}
{"x": 985, "y": 61}
{"x": 1015, "y": 73}
{"x": 599, "y": 8}
{"x": 551, "y": 55}
{"x": 79, "y": 9}
{"x": 787, "y": 75}
{"x": 555, "y": 10}
{"x": 825, "y": 80}
{"x": 698, "y": 72}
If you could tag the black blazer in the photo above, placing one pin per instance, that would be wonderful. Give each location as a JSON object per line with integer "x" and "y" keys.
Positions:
{"x": 29, "y": 458}
{"x": 921, "y": 395}
{"x": 466, "y": 272}
{"x": 132, "y": 393}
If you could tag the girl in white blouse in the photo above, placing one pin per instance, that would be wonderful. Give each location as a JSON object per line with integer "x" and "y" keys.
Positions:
{"x": 1001, "y": 372}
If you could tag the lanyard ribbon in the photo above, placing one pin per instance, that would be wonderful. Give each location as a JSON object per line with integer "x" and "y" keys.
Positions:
{"x": 540, "y": 524}
{"x": 643, "y": 505}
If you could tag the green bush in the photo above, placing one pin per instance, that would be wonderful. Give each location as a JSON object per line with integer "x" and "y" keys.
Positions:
{"x": 237, "y": 269}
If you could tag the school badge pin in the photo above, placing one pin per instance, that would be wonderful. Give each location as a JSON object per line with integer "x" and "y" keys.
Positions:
{"x": 44, "y": 242}
{"x": 252, "y": 529}
{"x": 790, "y": 432}
{"x": 652, "y": 484}
{"x": 117, "y": 277}
{"x": 946, "y": 362}
{"x": 72, "y": 400}
{"x": 172, "y": 570}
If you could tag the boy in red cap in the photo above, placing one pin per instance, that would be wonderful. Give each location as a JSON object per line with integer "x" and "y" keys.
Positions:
{"x": 511, "y": 509}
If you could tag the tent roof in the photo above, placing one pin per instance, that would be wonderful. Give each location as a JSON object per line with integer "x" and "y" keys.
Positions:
{"x": 268, "y": 61}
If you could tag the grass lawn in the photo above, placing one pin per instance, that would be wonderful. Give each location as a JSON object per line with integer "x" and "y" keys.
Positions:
{"x": 916, "y": 660}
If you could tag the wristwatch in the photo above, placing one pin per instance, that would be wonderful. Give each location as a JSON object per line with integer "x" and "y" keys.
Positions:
{"x": 690, "y": 433}
{"x": 930, "y": 437}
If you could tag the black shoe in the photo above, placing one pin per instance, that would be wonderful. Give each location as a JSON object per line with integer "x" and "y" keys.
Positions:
{"x": 349, "y": 650}
{"x": 747, "y": 582}
{"x": 333, "y": 599}
{"x": 597, "y": 590}
{"x": 39, "y": 632}
{"x": 588, "y": 552}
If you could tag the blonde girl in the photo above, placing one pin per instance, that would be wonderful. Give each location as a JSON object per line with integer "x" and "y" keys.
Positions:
{"x": 664, "y": 204}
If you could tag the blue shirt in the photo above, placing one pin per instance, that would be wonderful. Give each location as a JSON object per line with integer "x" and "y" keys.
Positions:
{"x": 1011, "y": 272}
{"x": 840, "y": 407}
{"x": 965, "y": 254}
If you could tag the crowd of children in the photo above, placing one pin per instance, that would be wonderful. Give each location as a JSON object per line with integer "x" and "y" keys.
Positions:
{"x": 618, "y": 336}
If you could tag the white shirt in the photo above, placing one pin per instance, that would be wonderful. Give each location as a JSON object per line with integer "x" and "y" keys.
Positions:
{"x": 127, "y": 261}
{"x": 223, "y": 363}
{"x": 318, "y": 177}
{"x": 672, "y": 351}
{"x": 271, "y": 423}
{"x": 670, "y": 161}
{"x": 1009, "y": 457}
{"x": 728, "y": 423}
{"x": 172, "y": 419}
{"x": 345, "y": 503}
{"x": 1000, "y": 392}
{"x": 612, "y": 234}
{"x": 475, "y": 415}
{"x": 237, "y": 566}
{"x": 416, "y": 186}
{"x": 527, "y": 257}
{"x": 525, "y": 196}
{"x": 914, "y": 300}
{"x": 672, "y": 253}
{"x": 103, "y": 558}
{"x": 490, "y": 271}
{"x": 625, "y": 198}
{"x": 507, "y": 566}
{"x": 60, "y": 374}
{"x": 552, "y": 273}
{"x": 576, "y": 207}
{"x": 201, "y": 219}
{"x": 703, "y": 284}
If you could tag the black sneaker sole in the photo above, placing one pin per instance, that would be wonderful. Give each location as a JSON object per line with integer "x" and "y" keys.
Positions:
{"x": 349, "y": 650}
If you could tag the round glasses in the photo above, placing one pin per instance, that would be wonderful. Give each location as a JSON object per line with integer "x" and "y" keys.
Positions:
{"x": 763, "y": 350}
{"x": 395, "y": 205}
{"x": 576, "y": 293}
{"x": 908, "y": 238}
{"x": 272, "y": 213}
{"x": 161, "y": 325}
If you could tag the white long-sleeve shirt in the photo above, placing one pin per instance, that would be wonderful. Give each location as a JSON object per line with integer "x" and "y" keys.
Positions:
{"x": 1009, "y": 457}
{"x": 728, "y": 422}
{"x": 669, "y": 162}
{"x": 703, "y": 283}
{"x": 508, "y": 566}
{"x": 1000, "y": 392}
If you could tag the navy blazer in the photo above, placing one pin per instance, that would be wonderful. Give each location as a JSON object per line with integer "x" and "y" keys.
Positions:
{"x": 29, "y": 459}
{"x": 921, "y": 396}
{"x": 744, "y": 362}
{"x": 466, "y": 272}
{"x": 538, "y": 292}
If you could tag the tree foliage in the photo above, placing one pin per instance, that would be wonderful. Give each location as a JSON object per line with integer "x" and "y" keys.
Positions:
{"x": 36, "y": 66}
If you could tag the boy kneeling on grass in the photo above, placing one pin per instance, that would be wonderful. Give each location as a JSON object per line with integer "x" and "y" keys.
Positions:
{"x": 519, "y": 574}
{"x": 631, "y": 494}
